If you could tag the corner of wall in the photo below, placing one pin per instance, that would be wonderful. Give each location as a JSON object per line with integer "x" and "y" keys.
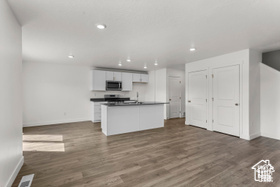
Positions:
{"x": 15, "y": 172}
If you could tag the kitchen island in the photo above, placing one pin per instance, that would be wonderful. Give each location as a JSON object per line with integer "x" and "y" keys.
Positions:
{"x": 119, "y": 118}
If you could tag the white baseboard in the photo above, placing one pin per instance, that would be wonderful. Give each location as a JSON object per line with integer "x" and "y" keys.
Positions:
{"x": 255, "y": 135}
{"x": 245, "y": 137}
{"x": 270, "y": 135}
{"x": 32, "y": 124}
{"x": 15, "y": 172}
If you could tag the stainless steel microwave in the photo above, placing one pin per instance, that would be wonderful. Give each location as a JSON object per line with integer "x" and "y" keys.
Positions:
{"x": 113, "y": 85}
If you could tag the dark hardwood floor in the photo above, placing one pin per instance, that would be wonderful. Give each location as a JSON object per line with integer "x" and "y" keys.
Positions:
{"x": 78, "y": 154}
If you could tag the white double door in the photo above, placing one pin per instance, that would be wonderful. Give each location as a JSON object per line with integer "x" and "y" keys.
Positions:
{"x": 223, "y": 107}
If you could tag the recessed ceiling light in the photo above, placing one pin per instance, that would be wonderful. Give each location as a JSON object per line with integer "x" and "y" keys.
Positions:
{"x": 156, "y": 63}
{"x": 120, "y": 64}
{"x": 71, "y": 56}
{"x": 145, "y": 67}
{"x": 128, "y": 60}
{"x": 192, "y": 49}
{"x": 101, "y": 26}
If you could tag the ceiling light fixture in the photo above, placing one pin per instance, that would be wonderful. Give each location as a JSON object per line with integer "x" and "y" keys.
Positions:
{"x": 71, "y": 56}
{"x": 192, "y": 49}
{"x": 128, "y": 60}
{"x": 120, "y": 64}
{"x": 156, "y": 63}
{"x": 101, "y": 26}
{"x": 145, "y": 67}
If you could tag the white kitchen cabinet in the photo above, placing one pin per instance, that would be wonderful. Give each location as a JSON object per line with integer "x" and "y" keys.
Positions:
{"x": 109, "y": 76}
{"x": 113, "y": 76}
{"x": 136, "y": 77}
{"x": 144, "y": 78}
{"x": 96, "y": 111}
{"x": 126, "y": 81}
{"x": 117, "y": 76}
{"x": 98, "y": 80}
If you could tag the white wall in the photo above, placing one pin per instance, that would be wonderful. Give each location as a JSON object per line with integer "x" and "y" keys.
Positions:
{"x": 11, "y": 158}
{"x": 60, "y": 93}
{"x": 250, "y": 87}
{"x": 55, "y": 93}
{"x": 161, "y": 88}
{"x": 270, "y": 102}
{"x": 255, "y": 90}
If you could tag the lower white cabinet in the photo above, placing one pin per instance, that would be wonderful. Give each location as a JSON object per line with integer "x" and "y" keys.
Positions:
{"x": 96, "y": 111}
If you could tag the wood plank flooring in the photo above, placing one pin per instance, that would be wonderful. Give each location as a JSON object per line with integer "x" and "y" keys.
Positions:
{"x": 78, "y": 154}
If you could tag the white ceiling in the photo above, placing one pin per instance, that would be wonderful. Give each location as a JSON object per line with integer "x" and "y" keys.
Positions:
{"x": 144, "y": 30}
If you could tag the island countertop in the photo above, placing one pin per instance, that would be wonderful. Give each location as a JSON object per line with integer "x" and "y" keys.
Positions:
{"x": 133, "y": 104}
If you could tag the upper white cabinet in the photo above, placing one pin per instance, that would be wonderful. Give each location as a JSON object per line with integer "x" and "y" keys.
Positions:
{"x": 126, "y": 81}
{"x": 117, "y": 76}
{"x": 145, "y": 78}
{"x": 98, "y": 80}
{"x": 113, "y": 76}
{"x": 140, "y": 78}
{"x": 136, "y": 77}
{"x": 109, "y": 76}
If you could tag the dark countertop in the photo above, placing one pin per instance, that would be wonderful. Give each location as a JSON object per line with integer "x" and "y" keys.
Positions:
{"x": 97, "y": 99}
{"x": 134, "y": 104}
{"x": 110, "y": 99}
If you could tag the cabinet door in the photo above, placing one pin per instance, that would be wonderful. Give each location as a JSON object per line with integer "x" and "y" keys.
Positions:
{"x": 136, "y": 77}
{"x": 109, "y": 76}
{"x": 117, "y": 76}
{"x": 126, "y": 81}
{"x": 98, "y": 80}
{"x": 144, "y": 78}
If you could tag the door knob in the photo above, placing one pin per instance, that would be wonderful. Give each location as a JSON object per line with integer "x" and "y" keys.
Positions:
{"x": 236, "y": 104}
{"x": 189, "y": 101}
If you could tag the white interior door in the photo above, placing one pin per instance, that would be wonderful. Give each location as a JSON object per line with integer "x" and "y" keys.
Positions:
{"x": 226, "y": 85}
{"x": 197, "y": 98}
{"x": 174, "y": 97}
